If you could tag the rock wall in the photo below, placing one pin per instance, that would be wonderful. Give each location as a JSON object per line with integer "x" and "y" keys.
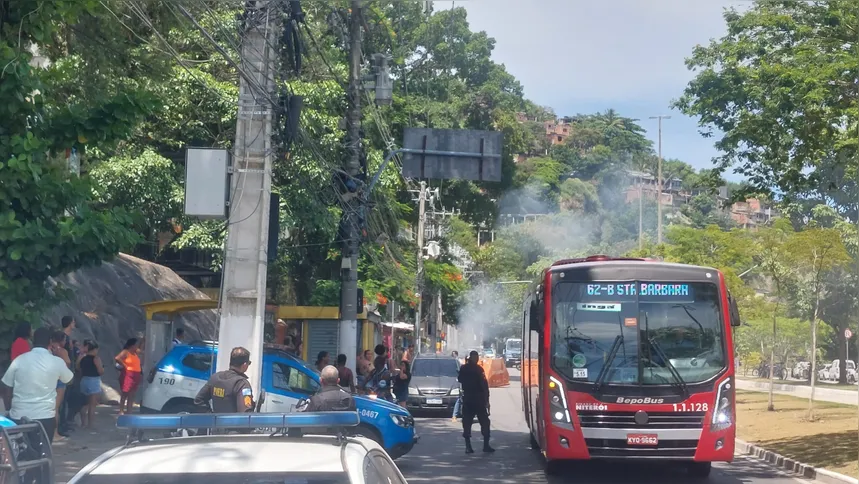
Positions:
{"x": 105, "y": 304}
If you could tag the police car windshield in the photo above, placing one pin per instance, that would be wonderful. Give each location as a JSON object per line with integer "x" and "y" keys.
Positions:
{"x": 435, "y": 367}
{"x": 220, "y": 478}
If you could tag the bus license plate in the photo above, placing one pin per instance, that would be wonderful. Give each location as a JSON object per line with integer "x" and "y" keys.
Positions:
{"x": 434, "y": 401}
{"x": 642, "y": 439}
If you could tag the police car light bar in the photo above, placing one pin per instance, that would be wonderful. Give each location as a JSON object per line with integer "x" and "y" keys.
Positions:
{"x": 239, "y": 420}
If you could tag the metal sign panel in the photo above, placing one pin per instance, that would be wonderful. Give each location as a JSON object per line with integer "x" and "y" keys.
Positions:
{"x": 206, "y": 189}
{"x": 452, "y": 154}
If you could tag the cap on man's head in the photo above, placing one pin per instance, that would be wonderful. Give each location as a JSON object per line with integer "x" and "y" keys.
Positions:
{"x": 330, "y": 375}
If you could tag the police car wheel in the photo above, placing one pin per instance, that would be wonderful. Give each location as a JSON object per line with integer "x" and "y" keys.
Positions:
{"x": 366, "y": 431}
{"x": 180, "y": 407}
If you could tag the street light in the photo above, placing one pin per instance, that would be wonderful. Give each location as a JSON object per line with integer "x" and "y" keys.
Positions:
{"x": 659, "y": 182}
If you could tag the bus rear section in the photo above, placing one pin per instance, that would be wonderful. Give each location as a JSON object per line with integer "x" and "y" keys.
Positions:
{"x": 635, "y": 363}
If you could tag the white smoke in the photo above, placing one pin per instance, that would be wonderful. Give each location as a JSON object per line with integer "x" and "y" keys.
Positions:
{"x": 493, "y": 312}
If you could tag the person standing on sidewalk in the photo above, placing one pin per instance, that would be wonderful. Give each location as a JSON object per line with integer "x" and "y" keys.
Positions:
{"x": 131, "y": 374}
{"x": 69, "y": 325}
{"x": 457, "y": 406}
{"x": 179, "y": 339}
{"x": 475, "y": 401}
{"x": 21, "y": 345}
{"x": 32, "y": 378}
{"x": 58, "y": 341}
{"x": 347, "y": 379}
{"x": 91, "y": 369}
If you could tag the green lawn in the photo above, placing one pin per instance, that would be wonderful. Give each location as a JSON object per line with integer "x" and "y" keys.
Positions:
{"x": 831, "y": 441}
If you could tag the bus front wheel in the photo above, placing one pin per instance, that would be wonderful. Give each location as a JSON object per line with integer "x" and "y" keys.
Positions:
{"x": 700, "y": 470}
{"x": 553, "y": 467}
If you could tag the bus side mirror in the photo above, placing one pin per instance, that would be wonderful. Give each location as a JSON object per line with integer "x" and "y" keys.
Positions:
{"x": 534, "y": 316}
{"x": 735, "y": 312}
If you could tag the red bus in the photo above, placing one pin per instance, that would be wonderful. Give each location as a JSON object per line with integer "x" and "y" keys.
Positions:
{"x": 630, "y": 359}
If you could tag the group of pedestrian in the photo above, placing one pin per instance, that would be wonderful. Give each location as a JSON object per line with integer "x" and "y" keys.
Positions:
{"x": 52, "y": 378}
{"x": 381, "y": 376}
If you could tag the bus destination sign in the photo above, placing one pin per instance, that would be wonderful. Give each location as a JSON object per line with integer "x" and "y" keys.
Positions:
{"x": 644, "y": 291}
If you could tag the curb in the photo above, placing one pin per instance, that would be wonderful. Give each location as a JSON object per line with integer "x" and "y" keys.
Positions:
{"x": 791, "y": 465}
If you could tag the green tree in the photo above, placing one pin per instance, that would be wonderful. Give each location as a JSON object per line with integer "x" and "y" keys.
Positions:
{"x": 772, "y": 260}
{"x": 780, "y": 86}
{"x": 47, "y": 224}
{"x": 146, "y": 185}
{"x": 813, "y": 253}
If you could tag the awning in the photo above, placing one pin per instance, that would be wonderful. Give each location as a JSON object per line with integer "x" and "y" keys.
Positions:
{"x": 400, "y": 326}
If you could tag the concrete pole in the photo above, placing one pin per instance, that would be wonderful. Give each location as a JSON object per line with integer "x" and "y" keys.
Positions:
{"x": 422, "y": 198}
{"x": 349, "y": 268}
{"x": 246, "y": 259}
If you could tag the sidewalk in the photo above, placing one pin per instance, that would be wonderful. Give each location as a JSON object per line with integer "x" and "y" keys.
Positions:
{"x": 73, "y": 453}
{"x": 821, "y": 394}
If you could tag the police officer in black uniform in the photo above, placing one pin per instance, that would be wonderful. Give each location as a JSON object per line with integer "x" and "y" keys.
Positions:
{"x": 475, "y": 401}
{"x": 229, "y": 390}
{"x": 331, "y": 397}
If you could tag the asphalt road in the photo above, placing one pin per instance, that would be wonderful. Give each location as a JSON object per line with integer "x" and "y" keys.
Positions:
{"x": 440, "y": 457}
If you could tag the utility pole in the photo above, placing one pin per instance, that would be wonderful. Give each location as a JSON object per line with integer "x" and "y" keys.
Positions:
{"x": 659, "y": 182}
{"x": 353, "y": 207}
{"x": 246, "y": 259}
{"x": 422, "y": 211}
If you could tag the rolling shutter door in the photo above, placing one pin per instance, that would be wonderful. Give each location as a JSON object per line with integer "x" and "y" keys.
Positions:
{"x": 324, "y": 336}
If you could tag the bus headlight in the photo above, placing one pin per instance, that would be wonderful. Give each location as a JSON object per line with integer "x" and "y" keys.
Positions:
{"x": 723, "y": 411}
{"x": 413, "y": 391}
{"x": 558, "y": 409}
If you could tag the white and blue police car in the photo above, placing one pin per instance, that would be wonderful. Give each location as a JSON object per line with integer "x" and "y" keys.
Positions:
{"x": 287, "y": 452}
{"x": 176, "y": 379}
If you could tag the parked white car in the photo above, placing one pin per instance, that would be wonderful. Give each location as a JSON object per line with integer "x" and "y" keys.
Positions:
{"x": 832, "y": 371}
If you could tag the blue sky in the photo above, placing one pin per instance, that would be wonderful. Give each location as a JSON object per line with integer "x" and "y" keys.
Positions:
{"x": 584, "y": 56}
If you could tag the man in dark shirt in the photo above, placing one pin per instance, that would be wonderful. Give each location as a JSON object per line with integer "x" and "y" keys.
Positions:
{"x": 229, "y": 390}
{"x": 347, "y": 379}
{"x": 331, "y": 397}
{"x": 475, "y": 401}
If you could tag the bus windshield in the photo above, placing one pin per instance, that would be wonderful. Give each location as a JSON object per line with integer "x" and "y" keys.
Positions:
{"x": 655, "y": 328}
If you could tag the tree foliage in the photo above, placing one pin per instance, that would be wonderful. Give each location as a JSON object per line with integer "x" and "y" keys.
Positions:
{"x": 780, "y": 86}
{"x": 48, "y": 226}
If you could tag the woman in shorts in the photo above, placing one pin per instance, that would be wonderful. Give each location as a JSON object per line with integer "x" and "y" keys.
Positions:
{"x": 91, "y": 370}
{"x": 401, "y": 383}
